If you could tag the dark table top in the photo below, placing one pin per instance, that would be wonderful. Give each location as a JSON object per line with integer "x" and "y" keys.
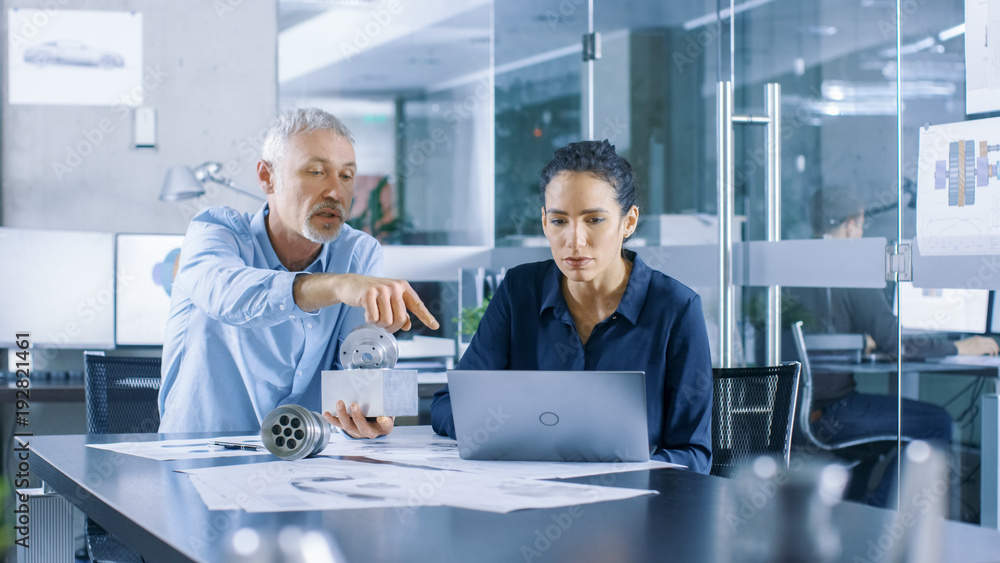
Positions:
{"x": 157, "y": 511}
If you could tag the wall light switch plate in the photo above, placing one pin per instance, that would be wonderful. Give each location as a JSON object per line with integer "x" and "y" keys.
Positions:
{"x": 145, "y": 127}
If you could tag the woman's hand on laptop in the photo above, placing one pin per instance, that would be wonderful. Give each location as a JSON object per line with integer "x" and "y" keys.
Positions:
{"x": 356, "y": 425}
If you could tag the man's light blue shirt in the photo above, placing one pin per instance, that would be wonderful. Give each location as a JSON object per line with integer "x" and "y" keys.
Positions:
{"x": 236, "y": 344}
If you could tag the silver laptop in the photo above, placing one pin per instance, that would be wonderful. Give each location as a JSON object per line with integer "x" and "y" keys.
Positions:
{"x": 550, "y": 415}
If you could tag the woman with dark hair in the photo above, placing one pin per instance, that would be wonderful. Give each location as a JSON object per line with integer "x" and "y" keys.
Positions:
{"x": 598, "y": 306}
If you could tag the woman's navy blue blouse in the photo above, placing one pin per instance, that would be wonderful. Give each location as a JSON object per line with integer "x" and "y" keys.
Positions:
{"x": 658, "y": 328}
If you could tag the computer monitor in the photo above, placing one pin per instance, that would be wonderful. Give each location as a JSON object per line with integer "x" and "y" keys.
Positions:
{"x": 994, "y": 327}
{"x": 59, "y": 285}
{"x": 145, "y": 275}
{"x": 943, "y": 310}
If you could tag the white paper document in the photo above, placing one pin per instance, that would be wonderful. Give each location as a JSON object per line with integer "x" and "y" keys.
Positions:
{"x": 333, "y": 484}
{"x": 958, "y": 177}
{"x": 186, "y": 449}
{"x": 78, "y": 57}
{"x": 522, "y": 469}
{"x": 982, "y": 65}
{"x": 421, "y": 446}
{"x": 211, "y": 497}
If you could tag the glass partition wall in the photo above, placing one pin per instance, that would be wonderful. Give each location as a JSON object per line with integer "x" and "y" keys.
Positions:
{"x": 413, "y": 80}
{"x": 645, "y": 93}
{"x": 948, "y": 154}
{"x": 778, "y": 147}
{"x": 886, "y": 164}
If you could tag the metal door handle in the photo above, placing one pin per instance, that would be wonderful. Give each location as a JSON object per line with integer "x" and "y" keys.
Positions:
{"x": 726, "y": 118}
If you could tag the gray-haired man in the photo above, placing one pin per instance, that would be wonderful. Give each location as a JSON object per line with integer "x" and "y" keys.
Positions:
{"x": 261, "y": 303}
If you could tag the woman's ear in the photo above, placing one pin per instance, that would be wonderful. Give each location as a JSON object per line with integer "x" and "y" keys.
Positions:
{"x": 631, "y": 221}
{"x": 544, "y": 224}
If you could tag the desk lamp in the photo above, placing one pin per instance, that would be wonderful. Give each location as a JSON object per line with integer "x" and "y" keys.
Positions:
{"x": 183, "y": 183}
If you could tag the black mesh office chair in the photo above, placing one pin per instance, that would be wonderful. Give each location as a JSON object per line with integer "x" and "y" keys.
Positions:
{"x": 753, "y": 414}
{"x": 121, "y": 399}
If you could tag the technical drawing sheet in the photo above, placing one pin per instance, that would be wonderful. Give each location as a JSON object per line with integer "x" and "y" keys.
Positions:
{"x": 958, "y": 208}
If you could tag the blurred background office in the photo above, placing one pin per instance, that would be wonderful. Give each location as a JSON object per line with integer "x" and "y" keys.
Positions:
{"x": 456, "y": 106}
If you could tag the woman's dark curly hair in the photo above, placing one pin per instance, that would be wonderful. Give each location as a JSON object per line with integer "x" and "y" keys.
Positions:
{"x": 598, "y": 158}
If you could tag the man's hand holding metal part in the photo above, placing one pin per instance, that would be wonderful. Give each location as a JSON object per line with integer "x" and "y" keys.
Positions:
{"x": 356, "y": 425}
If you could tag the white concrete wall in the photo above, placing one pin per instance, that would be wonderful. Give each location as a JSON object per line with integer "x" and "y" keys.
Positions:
{"x": 211, "y": 76}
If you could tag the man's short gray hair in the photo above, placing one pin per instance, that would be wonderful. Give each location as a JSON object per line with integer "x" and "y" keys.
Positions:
{"x": 294, "y": 122}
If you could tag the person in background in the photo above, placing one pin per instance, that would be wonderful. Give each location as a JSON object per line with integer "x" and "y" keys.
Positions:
{"x": 598, "y": 306}
{"x": 262, "y": 302}
{"x": 838, "y": 409}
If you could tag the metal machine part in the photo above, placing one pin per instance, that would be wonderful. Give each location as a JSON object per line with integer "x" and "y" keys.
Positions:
{"x": 378, "y": 392}
{"x": 293, "y": 432}
{"x": 369, "y": 347}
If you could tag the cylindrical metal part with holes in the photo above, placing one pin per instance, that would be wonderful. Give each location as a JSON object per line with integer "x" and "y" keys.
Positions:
{"x": 293, "y": 432}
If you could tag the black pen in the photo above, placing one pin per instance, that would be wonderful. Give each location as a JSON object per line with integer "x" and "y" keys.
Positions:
{"x": 235, "y": 446}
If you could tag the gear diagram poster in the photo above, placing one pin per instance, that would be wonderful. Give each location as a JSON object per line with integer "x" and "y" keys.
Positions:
{"x": 74, "y": 57}
{"x": 982, "y": 56}
{"x": 958, "y": 208}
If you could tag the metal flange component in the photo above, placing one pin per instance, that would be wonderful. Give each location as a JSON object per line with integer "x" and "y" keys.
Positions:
{"x": 369, "y": 347}
{"x": 293, "y": 432}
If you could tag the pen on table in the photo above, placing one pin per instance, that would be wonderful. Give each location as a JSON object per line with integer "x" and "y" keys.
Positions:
{"x": 235, "y": 446}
